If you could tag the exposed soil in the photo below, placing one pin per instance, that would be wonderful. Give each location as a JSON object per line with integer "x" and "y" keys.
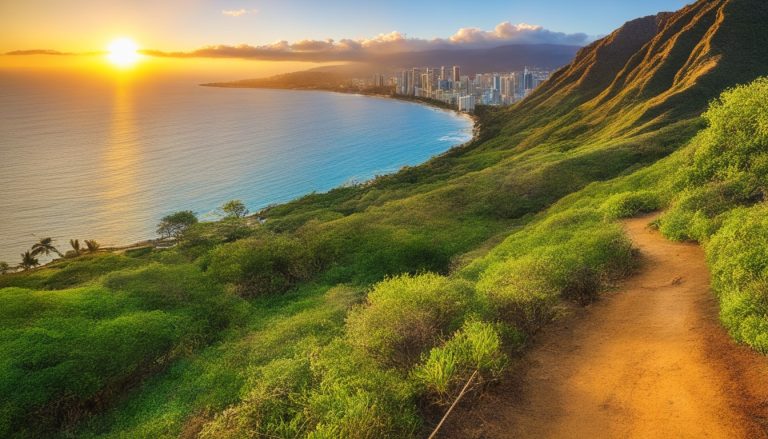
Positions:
{"x": 649, "y": 361}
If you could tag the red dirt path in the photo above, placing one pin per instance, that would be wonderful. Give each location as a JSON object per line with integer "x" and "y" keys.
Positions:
{"x": 650, "y": 361}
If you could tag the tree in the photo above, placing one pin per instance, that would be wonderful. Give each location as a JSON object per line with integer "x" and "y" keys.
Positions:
{"x": 75, "y": 243}
{"x": 28, "y": 260}
{"x": 4, "y": 267}
{"x": 234, "y": 209}
{"x": 92, "y": 245}
{"x": 175, "y": 224}
{"x": 45, "y": 247}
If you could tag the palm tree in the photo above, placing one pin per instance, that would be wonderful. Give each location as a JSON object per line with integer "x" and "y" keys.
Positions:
{"x": 4, "y": 267}
{"x": 45, "y": 247}
{"x": 75, "y": 243}
{"x": 28, "y": 260}
{"x": 92, "y": 245}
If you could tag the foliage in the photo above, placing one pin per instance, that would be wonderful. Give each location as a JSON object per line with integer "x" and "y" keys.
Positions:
{"x": 175, "y": 224}
{"x": 722, "y": 205}
{"x": 738, "y": 258}
{"x": 406, "y": 315}
{"x": 75, "y": 244}
{"x": 357, "y": 398}
{"x": 265, "y": 264}
{"x": 629, "y": 204}
{"x": 44, "y": 247}
{"x": 62, "y": 351}
{"x": 233, "y": 209}
{"x": 477, "y": 346}
{"x": 4, "y": 267}
{"x": 92, "y": 245}
{"x": 28, "y": 261}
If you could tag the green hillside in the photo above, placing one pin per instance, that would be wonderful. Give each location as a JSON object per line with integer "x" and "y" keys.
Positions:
{"x": 361, "y": 312}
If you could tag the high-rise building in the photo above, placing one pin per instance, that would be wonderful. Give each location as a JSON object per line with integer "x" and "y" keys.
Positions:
{"x": 467, "y": 103}
{"x": 496, "y": 82}
{"x": 456, "y": 77}
{"x": 442, "y": 73}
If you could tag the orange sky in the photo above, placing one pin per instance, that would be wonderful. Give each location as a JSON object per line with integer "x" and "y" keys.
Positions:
{"x": 202, "y": 69}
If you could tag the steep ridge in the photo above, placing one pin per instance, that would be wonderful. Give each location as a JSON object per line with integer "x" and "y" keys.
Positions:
{"x": 652, "y": 71}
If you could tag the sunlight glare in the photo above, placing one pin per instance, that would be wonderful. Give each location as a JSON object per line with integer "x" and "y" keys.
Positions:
{"x": 123, "y": 52}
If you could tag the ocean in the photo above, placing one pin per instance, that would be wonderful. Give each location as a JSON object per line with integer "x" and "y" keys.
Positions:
{"x": 105, "y": 160}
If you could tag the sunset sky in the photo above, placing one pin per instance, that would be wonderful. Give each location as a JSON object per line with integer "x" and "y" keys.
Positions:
{"x": 303, "y": 30}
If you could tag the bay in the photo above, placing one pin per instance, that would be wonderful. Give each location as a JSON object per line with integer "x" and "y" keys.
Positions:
{"x": 106, "y": 160}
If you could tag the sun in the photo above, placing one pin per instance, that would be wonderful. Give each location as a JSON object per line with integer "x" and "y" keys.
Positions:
{"x": 123, "y": 52}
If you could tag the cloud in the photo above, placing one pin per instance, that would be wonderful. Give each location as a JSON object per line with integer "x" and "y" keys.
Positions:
{"x": 384, "y": 44}
{"x": 373, "y": 48}
{"x": 522, "y": 33}
{"x": 38, "y": 52}
{"x": 239, "y": 12}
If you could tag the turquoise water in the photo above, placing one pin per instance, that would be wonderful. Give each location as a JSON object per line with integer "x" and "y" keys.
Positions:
{"x": 106, "y": 160}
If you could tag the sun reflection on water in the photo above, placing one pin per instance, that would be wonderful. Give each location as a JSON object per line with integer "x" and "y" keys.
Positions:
{"x": 122, "y": 160}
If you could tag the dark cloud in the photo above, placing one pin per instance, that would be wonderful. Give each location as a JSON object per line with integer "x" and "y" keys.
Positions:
{"x": 38, "y": 52}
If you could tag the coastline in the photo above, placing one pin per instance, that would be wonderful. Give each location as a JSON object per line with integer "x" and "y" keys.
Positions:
{"x": 158, "y": 243}
{"x": 431, "y": 103}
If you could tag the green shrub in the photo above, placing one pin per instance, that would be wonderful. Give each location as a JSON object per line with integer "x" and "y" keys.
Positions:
{"x": 629, "y": 204}
{"x": 445, "y": 370}
{"x": 407, "y": 315}
{"x": 582, "y": 286}
{"x": 570, "y": 255}
{"x": 522, "y": 292}
{"x": 675, "y": 224}
{"x": 138, "y": 252}
{"x": 736, "y": 140}
{"x": 272, "y": 408}
{"x": 738, "y": 259}
{"x": 264, "y": 265}
{"x": 729, "y": 167}
{"x": 356, "y": 398}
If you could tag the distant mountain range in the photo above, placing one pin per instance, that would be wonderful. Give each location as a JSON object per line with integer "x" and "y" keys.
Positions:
{"x": 499, "y": 59}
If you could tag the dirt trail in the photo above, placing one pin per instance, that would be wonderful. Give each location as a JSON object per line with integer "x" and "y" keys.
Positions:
{"x": 650, "y": 361}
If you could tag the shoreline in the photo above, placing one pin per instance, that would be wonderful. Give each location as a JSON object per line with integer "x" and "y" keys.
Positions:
{"x": 415, "y": 100}
{"x": 159, "y": 243}
{"x": 430, "y": 103}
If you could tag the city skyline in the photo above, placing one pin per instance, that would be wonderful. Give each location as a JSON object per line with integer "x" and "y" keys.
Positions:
{"x": 462, "y": 92}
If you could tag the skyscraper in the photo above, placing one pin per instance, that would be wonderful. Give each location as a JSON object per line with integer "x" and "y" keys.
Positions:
{"x": 456, "y": 77}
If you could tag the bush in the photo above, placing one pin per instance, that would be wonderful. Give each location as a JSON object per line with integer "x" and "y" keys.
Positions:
{"x": 355, "y": 398}
{"x": 582, "y": 286}
{"x": 522, "y": 292}
{"x": 675, "y": 224}
{"x": 629, "y": 204}
{"x": 736, "y": 141}
{"x": 272, "y": 408}
{"x": 407, "y": 315}
{"x": 263, "y": 265}
{"x": 445, "y": 370}
{"x": 738, "y": 259}
{"x": 86, "y": 268}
